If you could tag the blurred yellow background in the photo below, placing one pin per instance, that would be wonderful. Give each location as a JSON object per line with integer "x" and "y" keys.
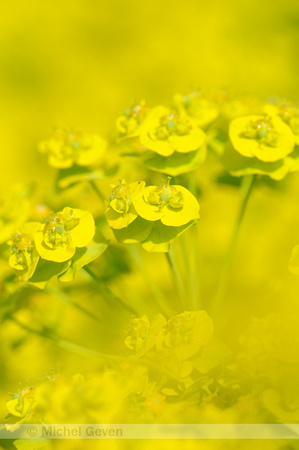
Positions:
{"x": 81, "y": 63}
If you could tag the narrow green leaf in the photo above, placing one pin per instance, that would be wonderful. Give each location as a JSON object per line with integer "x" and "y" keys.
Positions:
{"x": 45, "y": 270}
{"x": 82, "y": 257}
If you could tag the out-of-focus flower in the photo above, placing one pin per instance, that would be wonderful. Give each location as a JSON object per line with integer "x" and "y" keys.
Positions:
{"x": 271, "y": 353}
{"x": 66, "y": 148}
{"x": 267, "y": 139}
{"x": 232, "y": 106}
{"x": 260, "y": 145}
{"x": 24, "y": 256}
{"x": 22, "y": 404}
{"x": 186, "y": 333}
{"x": 201, "y": 110}
{"x": 130, "y": 123}
{"x": 62, "y": 233}
{"x": 289, "y": 113}
{"x": 120, "y": 211}
{"x": 168, "y": 131}
{"x": 137, "y": 333}
{"x": 182, "y": 335}
{"x": 143, "y": 335}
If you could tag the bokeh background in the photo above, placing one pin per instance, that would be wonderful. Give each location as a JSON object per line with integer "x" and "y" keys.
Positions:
{"x": 81, "y": 63}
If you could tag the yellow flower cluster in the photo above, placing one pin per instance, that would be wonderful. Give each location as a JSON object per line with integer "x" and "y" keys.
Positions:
{"x": 176, "y": 365}
{"x": 176, "y": 343}
{"x": 67, "y": 148}
{"x": 54, "y": 245}
{"x": 152, "y": 215}
{"x": 264, "y": 142}
{"x": 172, "y": 138}
{"x": 155, "y": 356}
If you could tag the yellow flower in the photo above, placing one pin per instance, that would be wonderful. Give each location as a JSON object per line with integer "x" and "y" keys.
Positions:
{"x": 120, "y": 211}
{"x": 260, "y": 145}
{"x": 96, "y": 399}
{"x": 267, "y": 139}
{"x": 167, "y": 131}
{"x": 188, "y": 332}
{"x": 58, "y": 238}
{"x": 232, "y": 106}
{"x": 24, "y": 256}
{"x": 21, "y": 404}
{"x": 202, "y": 111}
{"x": 66, "y": 148}
{"x": 143, "y": 335}
{"x": 289, "y": 113}
{"x": 129, "y": 124}
{"x": 172, "y": 205}
{"x": 137, "y": 333}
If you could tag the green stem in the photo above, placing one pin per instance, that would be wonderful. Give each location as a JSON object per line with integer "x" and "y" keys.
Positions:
{"x": 179, "y": 287}
{"x": 190, "y": 274}
{"x": 184, "y": 252}
{"x": 152, "y": 285}
{"x": 195, "y": 269}
{"x": 97, "y": 191}
{"x": 246, "y": 189}
{"x": 195, "y": 266}
{"x": 107, "y": 293}
{"x": 74, "y": 348}
{"x": 57, "y": 293}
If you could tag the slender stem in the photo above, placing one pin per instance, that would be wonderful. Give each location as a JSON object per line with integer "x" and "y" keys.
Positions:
{"x": 74, "y": 348}
{"x": 97, "y": 190}
{"x": 184, "y": 252}
{"x": 107, "y": 293}
{"x": 57, "y": 293}
{"x": 190, "y": 274}
{"x": 246, "y": 189}
{"x": 179, "y": 287}
{"x": 152, "y": 285}
{"x": 195, "y": 269}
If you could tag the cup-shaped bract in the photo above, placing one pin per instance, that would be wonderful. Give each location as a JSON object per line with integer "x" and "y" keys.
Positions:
{"x": 173, "y": 205}
{"x": 24, "y": 256}
{"x": 120, "y": 211}
{"x": 187, "y": 332}
{"x": 167, "y": 131}
{"x": 263, "y": 137}
{"x": 260, "y": 144}
{"x": 289, "y": 113}
{"x": 200, "y": 109}
{"x": 67, "y": 148}
{"x": 63, "y": 232}
{"x": 130, "y": 123}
